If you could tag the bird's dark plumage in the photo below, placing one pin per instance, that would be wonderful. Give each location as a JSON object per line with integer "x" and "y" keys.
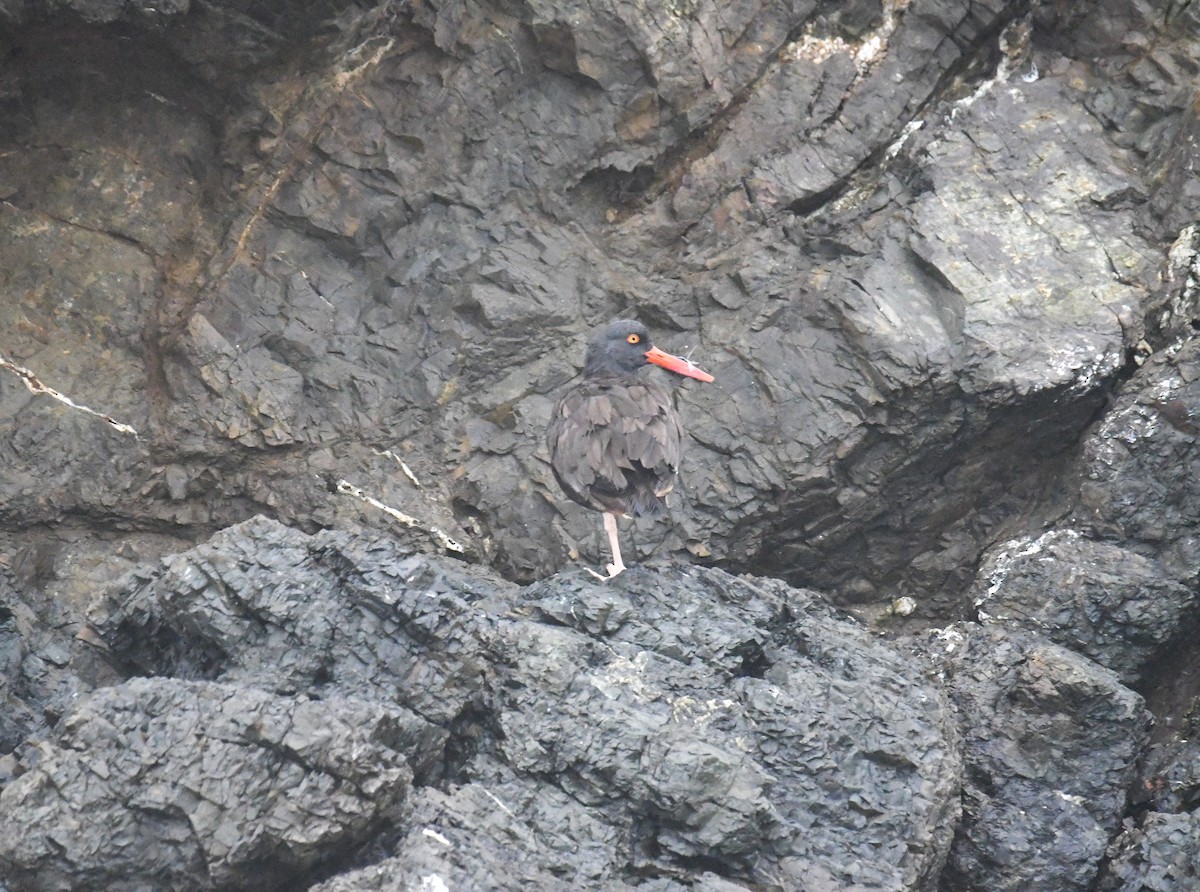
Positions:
{"x": 615, "y": 440}
{"x": 615, "y": 445}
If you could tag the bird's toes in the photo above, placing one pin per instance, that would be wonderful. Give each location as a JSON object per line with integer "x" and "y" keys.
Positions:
{"x": 613, "y": 570}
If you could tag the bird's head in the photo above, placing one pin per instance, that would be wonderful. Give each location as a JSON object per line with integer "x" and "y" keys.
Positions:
{"x": 624, "y": 346}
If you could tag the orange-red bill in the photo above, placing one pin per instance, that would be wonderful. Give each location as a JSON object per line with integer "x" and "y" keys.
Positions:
{"x": 676, "y": 364}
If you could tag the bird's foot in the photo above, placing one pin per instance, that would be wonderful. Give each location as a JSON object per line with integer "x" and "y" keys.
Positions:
{"x": 613, "y": 570}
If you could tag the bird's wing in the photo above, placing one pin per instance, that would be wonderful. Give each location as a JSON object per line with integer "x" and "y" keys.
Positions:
{"x": 616, "y": 448}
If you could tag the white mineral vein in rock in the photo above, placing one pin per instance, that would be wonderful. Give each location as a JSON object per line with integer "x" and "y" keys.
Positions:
{"x": 37, "y": 387}
{"x": 345, "y": 486}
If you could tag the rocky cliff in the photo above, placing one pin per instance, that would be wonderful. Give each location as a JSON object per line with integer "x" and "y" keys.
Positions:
{"x": 288, "y": 596}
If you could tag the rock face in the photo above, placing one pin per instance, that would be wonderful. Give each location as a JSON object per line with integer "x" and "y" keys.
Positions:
{"x": 693, "y": 720}
{"x": 286, "y": 295}
{"x": 188, "y": 785}
{"x": 1050, "y": 746}
{"x": 1161, "y": 855}
{"x": 1121, "y": 608}
{"x": 917, "y": 260}
{"x": 1117, "y": 580}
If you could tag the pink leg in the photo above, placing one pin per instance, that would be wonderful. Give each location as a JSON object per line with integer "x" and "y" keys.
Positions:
{"x": 616, "y": 567}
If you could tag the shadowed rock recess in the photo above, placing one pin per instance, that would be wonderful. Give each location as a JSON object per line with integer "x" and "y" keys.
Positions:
{"x": 289, "y": 598}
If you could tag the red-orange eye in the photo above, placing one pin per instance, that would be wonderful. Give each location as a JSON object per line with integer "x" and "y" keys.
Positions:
{"x": 634, "y": 338}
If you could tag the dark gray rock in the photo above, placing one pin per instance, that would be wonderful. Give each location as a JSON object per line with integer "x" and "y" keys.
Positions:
{"x": 333, "y": 262}
{"x": 46, "y": 660}
{"x": 1050, "y": 742}
{"x": 1142, "y": 460}
{"x": 267, "y": 605}
{"x": 1118, "y": 581}
{"x": 492, "y": 836}
{"x": 1142, "y": 56}
{"x": 1162, "y": 855}
{"x": 1158, "y": 847}
{"x": 402, "y": 261}
{"x": 1169, "y": 779}
{"x": 1169, "y": 770}
{"x": 693, "y": 720}
{"x": 17, "y": 720}
{"x": 759, "y": 686}
{"x": 167, "y": 784}
{"x": 93, "y": 12}
{"x": 842, "y": 91}
{"x": 1121, "y": 609}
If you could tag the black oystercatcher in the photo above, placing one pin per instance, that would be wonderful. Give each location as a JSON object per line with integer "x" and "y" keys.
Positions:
{"x": 614, "y": 438}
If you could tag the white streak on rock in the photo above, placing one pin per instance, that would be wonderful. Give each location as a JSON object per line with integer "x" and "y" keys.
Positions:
{"x": 37, "y": 387}
{"x": 348, "y": 488}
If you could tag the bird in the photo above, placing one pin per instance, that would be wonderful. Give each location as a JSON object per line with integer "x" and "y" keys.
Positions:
{"x": 615, "y": 439}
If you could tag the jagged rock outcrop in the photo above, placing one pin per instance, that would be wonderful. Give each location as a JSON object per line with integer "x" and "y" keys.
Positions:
{"x": 332, "y": 263}
{"x": 1159, "y": 856}
{"x": 192, "y": 785}
{"x": 1050, "y": 747}
{"x": 692, "y": 721}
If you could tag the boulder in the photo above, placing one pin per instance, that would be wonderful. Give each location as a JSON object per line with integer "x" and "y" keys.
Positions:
{"x": 694, "y": 721}
{"x": 1050, "y": 748}
{"x": 169, "y": 784}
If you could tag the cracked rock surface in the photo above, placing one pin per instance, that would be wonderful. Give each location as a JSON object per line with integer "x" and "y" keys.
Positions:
{"x": 287, "y": 292}
{"x": 196, "y": 785}
{"x": 1050, "y": 747}
{"x": 690, "y": 717}
{"x": 917, "y": 244}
